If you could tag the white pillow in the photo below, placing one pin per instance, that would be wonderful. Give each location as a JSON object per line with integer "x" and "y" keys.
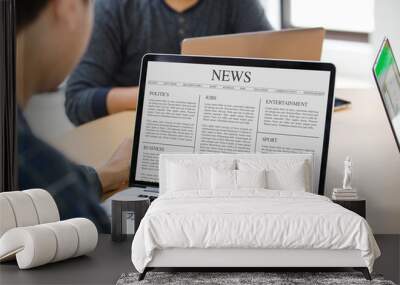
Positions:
{"x": 282, "y": 174}
{"x": 236, "y": 179}
{"x": 251, "y": 178}
{"x": 223, "y": 179}
{"x": 188, "y": 177}
{"x": 193, "y": 174}
{"x": 291, "y": 178}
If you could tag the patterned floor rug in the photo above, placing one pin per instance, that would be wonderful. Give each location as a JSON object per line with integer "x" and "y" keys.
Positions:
{"x": 244, "y": 278}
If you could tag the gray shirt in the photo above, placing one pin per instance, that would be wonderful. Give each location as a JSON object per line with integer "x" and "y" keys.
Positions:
{"x": 125, "y": 30}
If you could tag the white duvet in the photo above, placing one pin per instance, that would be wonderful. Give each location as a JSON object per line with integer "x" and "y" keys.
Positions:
{"x": 250, "y": 219}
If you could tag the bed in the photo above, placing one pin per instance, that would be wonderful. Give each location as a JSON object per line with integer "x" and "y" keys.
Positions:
{"x": 248, "y": 211}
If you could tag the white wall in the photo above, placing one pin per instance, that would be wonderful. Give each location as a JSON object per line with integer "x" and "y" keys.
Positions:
{"x": 364, "y": 132}
{"x": 387, "y": 23}
{"x": 353, "y": 61}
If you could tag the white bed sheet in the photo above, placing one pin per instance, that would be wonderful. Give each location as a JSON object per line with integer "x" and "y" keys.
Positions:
{"x": 251, "y": 218}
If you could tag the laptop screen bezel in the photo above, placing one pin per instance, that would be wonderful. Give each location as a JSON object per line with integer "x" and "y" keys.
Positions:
{"x": 281, "y": 64}
{"x": 384, "y": 42}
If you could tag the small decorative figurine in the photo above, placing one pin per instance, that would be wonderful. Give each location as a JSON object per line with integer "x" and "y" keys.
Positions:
{"x": 347, "y": 192}
{"x": 347, "y": 174}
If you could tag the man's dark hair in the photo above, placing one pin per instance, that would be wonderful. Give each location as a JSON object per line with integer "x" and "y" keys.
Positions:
{"x": 27, "y": 11}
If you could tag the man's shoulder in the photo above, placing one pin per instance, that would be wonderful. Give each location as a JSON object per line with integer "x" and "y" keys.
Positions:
{"x": 239, "y": 3}
{"x": 222, "y": 6}
{"x": 120, "y": 5}
{"x": 120, "y": 10}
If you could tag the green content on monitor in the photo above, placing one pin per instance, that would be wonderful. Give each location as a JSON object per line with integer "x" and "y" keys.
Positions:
{"x": 385, "y": 60}
{"x": 387, "y": 77}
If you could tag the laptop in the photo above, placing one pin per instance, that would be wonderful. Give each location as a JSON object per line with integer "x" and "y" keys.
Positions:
{"x": 194, "y": 104}
{"x": 387, "y": 78}
{"x": 293, "y": 44}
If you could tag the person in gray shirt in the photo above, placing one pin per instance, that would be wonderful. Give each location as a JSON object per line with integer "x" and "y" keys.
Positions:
{"x": 105, "y": 81}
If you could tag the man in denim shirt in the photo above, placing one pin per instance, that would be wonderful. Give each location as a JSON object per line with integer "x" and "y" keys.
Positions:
{"x": 106, "y": 79}
{"x": 51, "y": 37}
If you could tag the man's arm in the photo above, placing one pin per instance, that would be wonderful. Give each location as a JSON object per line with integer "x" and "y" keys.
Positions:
{"x": 90, "y": 92}
{"x": 249, "y": 16}
{"x": 76, "y": 189}
{"x": 121, "y": 99}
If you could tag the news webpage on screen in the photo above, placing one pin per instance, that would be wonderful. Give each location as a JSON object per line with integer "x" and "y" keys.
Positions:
{"x": 199, "y": 108}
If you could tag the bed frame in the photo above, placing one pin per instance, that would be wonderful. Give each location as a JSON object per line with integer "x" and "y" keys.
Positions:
{"x": 239, "y": 260}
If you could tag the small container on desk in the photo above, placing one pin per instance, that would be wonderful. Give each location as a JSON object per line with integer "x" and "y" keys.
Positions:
{"x": 126, "y": 217}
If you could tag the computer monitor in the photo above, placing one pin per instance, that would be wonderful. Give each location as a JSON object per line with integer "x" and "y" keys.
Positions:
{"x": 387, "y": 77}
{"x": 191, "y": 104}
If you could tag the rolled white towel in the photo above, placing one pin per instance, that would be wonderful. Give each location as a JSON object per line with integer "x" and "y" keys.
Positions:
{"x": 45, "y": 205}
{"x": 67, "y": 240}
{"x": 87, "y": 235}
{"x": 40, "y": 244}
{"x": 23, "y": 208}
{"x": 7, "y": 218}
{"x": 32, "y": 246}
{"x": 26, "y": 208}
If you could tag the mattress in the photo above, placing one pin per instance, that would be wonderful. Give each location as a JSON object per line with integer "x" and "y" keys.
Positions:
{"x": 250, "y": 219}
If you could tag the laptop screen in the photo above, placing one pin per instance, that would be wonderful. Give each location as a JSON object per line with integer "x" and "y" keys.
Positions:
{"x": 387, "y": 77}
{"x": 211, "y": 105}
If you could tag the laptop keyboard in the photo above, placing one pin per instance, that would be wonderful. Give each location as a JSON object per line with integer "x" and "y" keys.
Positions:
{"x": 151, "y": 198}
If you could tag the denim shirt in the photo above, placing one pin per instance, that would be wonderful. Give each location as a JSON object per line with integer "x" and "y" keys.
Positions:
{"x": 76, "y": 189}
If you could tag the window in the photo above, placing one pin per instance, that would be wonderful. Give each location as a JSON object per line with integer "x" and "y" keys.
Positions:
{"x": 355, "y": 16}
{"x": 272, "y": 10}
